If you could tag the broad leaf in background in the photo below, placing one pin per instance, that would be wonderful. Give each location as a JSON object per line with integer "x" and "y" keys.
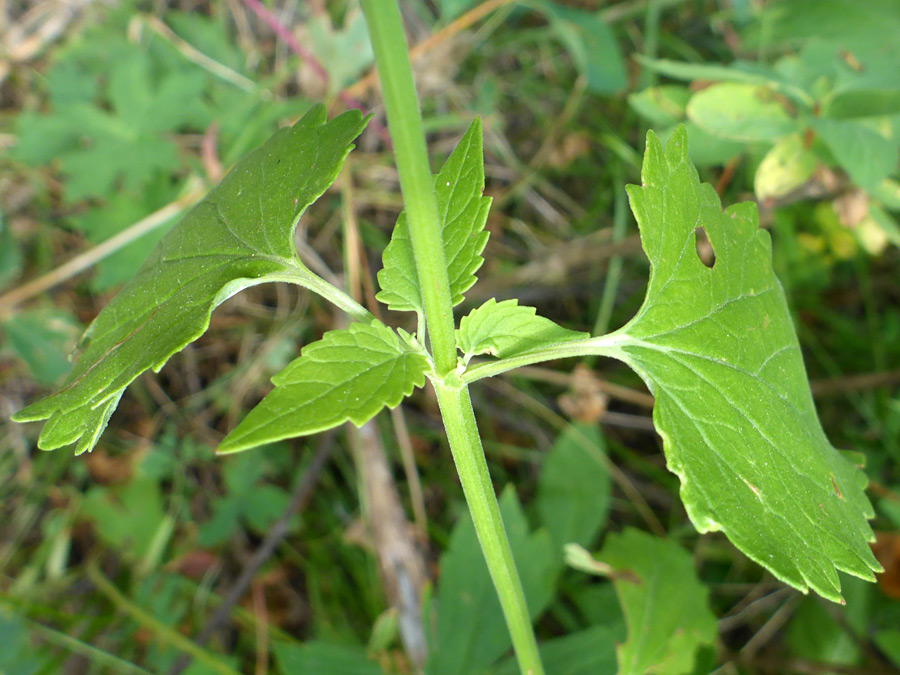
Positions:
{"x": 463, "y": 212}
{"x": 17, "y": 653}
{"x": 718, "y": 350}
{"x": 348, "y": 375}
{"x": 248, "y": 499}
{"x": 573, "y": 488}
{"x": 662, "y": 106}
{"x": 587, "y": 652}
{"x": 128, "y": 517}
{"x": 666, "y": 607}
{"x": 591, "y": 44}
{"x": 505, "y": 329}
{"x": 42, "y": 338}
{"x": 740, "y": 112}
{"x": 96, "y": 147}
{"x": 864, "y": 153}
{"x": 240, "y": 235}
{"x": 471, "y": 633}
{"x": 315, "y": 658}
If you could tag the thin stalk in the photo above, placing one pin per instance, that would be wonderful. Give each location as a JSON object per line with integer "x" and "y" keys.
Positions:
{"x": 303, "y": 277}
{"x": 416, "y": 183}
{"x": 604, "y": 345}
{"x": 166, "y": 634}
{"x": 468, "y": 455}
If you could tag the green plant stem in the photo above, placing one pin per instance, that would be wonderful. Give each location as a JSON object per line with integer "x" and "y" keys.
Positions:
{"x": 604, "y": 345}
{"x": 317, "y": 284}
{"x": 416, "y": 183}
{"x": 468, "y": 455}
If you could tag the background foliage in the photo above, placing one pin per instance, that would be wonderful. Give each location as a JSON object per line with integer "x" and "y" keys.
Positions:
{"x": 113, "y": 112}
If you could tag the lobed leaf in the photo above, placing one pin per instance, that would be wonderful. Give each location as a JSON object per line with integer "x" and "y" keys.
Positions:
{"x": 240, "y": 235}
{"x": 348, "y": 375}
{"x": 666, "y": 606}
{"x": 505, "y": 329}
{"x": 718, "y": 350}
{"x": 463, "y": 212}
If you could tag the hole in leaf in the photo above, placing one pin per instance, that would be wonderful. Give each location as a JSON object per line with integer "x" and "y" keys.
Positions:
{"x": 704, "y": 248}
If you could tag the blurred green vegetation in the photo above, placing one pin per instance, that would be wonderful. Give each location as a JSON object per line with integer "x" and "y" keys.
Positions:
{"x": 114, "y": 561}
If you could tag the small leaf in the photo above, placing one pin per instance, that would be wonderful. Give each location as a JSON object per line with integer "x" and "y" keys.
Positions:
{"x": 718, "y": 350}
{"x": 240, "y": 235}
{"x": 740, "y": 112}
{"x": 786, "y": 167}
{"x": 505, "y": 329}
{"x": 666, "y": 607}
{"x": 463, "y": 212}
{"x": 348, "y": 375}
{"x": 42, "y": 338}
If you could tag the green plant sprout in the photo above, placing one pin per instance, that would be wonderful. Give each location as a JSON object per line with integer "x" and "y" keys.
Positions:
{"x": 715, "y": 345}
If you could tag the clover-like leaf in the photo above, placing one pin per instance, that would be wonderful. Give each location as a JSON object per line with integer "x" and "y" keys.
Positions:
{"x": 717, "y": 348}
{"x": 666, "y": 606}
{"x": 240, "y": 235}
{"x": 505, "y": 329}
{"x": 348, "y": 375}
{"x": 463, "y": 212}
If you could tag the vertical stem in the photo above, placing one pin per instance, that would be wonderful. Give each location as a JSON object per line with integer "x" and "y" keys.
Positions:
{"x": 468, "y": 454}
{"x": 405, "y": 124}
{"x": 416, "y": 183}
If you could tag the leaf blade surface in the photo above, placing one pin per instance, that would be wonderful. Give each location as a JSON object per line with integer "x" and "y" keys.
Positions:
{"x": 240, "y": 235}
{"x": 505, "y": 329}
{"x": 718, "y": 349}
{"x": 348, "y": 375}
{"x": 463, "y": 212}
{"x": 666, "y": 607}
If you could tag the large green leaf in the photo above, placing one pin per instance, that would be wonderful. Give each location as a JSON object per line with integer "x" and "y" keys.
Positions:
{"x": 240, "y": 235}
{"x": 666, "y": 607}
{"x": 347, "y": 375}
{"x": 505, "y": 329}
{"x": 719, "y": 352}
{"x": 463, "y": 212}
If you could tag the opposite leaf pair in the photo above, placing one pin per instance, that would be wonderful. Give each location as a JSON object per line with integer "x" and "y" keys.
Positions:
{"x": 716, "y": 347}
